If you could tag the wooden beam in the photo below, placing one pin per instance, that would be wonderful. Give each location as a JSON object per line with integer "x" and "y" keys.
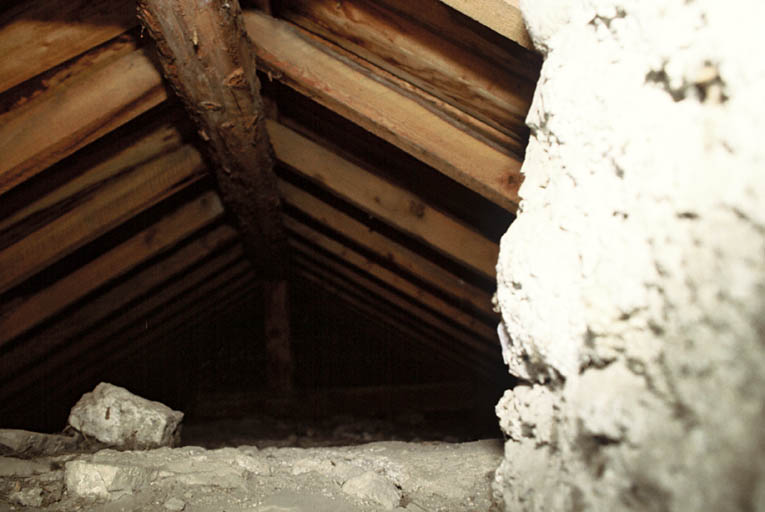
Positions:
{"x": 115, "y": 202}
{"x": 502, "y": 16}
{"x": 390, "y": 203}
{"x": 75, "y": 114}
{"x": 400, "y": 120}
{"x": 398, "y": 316}
{"x": 207, "y": 58}
{"x": 204, "y": 309}
{"x": 199, "y": 282}
{"x": 280, "y": 365}
{"x": 118, "y": 298}
{"x": 106, "y": 163}
{"x": 166, "y": 233}
{"x": 464, "y": 292}
{"x": 470, "y": 339}
{"x": 36, "y": 36}
{"x": 432, "y": 61}
{"x": 217, "y": 82}
{"x": 392, "y": 279}
{"x": 89, "y": 364}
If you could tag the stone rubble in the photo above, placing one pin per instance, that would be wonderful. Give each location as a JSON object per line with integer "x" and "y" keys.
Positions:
{"x": 376, "y": 476}
{"x": 118, "y": 418}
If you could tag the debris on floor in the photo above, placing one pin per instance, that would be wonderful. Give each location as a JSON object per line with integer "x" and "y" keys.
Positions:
{"x": 376, "y": 476}
{"x": 60, "y": 473}
{"x": 116, "y": 417}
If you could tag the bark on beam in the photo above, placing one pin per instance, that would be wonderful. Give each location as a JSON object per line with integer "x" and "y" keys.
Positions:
{"x": 210, "y": 63}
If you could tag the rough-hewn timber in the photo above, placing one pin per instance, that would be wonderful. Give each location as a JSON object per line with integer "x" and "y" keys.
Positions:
{"x": 209, "y": 61}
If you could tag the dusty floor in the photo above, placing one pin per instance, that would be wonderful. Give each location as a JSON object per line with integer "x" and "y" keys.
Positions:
{"x": 377, "y": 476}
{"x": 338, "y": 463}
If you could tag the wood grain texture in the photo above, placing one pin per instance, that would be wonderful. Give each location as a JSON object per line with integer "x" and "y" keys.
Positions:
{"x": 373, "y": 299}
{"x": 400, "y": 120}
{"x": 389, "y": 250}
{"x": 392, "y": 204}
{"x": 396, "y": 281}
{"x": 36, "y": 36}
{"x": 209, "y": 62}
{"x": 475, "y": 341}
{"x": 202, "y": 279}
{"x": 157, "y": 238}
{"x": 431, "y": 61}
{"x": 89, "y": 174}
{"x": 64, "y": 119}
{"x": 117, "y": 201}
{"x": 117, "y": 298}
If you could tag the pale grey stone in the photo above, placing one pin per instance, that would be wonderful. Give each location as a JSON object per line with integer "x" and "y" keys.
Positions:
{"x": 27, "y": 497}
{"x": 105, "y": 480}
{"x": 375, "y": 488}
{"x": 119, "y": 418}
{"x": 34, "y": 444}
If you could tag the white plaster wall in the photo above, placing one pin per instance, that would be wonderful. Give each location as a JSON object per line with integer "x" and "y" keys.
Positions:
{"x": 632, "y": 284}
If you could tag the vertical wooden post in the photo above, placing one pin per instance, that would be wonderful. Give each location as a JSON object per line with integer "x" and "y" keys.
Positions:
{"x": 209, "y": 61}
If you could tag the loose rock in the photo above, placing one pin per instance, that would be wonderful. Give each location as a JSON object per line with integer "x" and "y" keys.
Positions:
{"x": 121, "y": 419}
{"x": 373, "y": 487}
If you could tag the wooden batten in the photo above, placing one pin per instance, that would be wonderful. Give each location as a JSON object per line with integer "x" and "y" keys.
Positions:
{"x": 292, "y": 58}
{"x": 166, "y": 233}
{"x": 104, "y": 165}
{"x": 118, "y": 297}
{"x": 115, "y": 202}
{"x": 389, "y": 250}
{"x": 197, "y": 283}
{"x": 391, "y": 203}
{"x": 36, "y": 36}
{"x": 391, "y": 311}
{"x": 74, "y": 114}
{"x": 404, "y": 286}
{"x": 430, "y": 60}
{"x": 423, "y": 314}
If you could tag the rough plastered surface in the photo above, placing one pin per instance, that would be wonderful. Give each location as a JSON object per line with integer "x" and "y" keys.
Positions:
{"x": 632, "y": 284}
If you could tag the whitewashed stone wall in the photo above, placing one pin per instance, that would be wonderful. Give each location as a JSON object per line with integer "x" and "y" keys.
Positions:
{"x": 632, "y": 285}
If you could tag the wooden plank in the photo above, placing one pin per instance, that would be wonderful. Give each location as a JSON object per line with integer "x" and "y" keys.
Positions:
{"x": 395, "y": 253}
{"x": 88, "y": 365}
{"x": 400, "y": 120}
{"x": 389, "y": 202}
{"x": 423, "y": 314}
{"x": 430, "y": 60}
{"x": 23, "y": 218}
{"x": 396, "y": 315}
{"x": 198, "y": 282}
{"x": 116, "y": 202}
{"x": 187, "y": 315}
{"x": 36, "y": 36}
{"x": 406, "y": 287}
{"x": 75, "y": 115}
{"x": 118, "y": 297}
{"x": 209, "y": 61}
{"x": 502, "y": 16}
{"x": 166, "y": 233}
